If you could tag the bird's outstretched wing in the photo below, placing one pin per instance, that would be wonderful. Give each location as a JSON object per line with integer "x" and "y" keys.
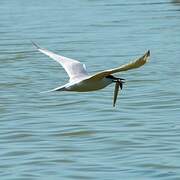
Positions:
{"x": 73, "y": 67}
{"x": 132, "y": 65}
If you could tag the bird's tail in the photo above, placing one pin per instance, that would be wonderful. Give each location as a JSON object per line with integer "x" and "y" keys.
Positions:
{"x": 61, "y": 88}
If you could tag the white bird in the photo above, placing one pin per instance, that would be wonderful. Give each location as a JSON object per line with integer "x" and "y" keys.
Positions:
{"x": 80, "y": 81}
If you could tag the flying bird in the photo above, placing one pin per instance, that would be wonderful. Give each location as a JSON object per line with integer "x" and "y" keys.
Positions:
{"x": 81, "y": 81}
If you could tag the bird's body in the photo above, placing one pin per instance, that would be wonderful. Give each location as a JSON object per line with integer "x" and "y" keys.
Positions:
{"x": 86, "y": 85}
{"x": 80, "y": 81}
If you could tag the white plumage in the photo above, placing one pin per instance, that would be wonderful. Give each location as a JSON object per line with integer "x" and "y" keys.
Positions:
{"x": 80, "y": 81}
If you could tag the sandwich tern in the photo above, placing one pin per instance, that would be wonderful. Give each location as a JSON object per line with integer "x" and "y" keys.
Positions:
{"x": 81, "y": 81}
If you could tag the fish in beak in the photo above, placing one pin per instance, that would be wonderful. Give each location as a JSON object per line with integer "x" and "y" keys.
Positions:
{"x": 118, "y": 83}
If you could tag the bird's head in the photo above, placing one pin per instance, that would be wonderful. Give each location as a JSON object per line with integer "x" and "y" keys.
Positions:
{"x": 118, "y": 83}
{"x": 116, "y": 80}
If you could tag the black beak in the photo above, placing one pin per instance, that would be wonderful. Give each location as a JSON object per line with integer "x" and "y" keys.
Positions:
{"x": 120, "y": 81}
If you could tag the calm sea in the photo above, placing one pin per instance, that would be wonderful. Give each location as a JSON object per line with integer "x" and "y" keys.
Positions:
{"x": 80, "y": 136}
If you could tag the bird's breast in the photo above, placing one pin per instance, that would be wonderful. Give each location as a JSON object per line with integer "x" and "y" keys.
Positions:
{"x": 89, "y": 85}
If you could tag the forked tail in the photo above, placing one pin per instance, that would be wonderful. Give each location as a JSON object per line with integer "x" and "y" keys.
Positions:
{"x": 61, "y": 88}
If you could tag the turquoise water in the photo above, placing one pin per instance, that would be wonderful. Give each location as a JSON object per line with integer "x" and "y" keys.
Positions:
{"x": 73, "y": 136}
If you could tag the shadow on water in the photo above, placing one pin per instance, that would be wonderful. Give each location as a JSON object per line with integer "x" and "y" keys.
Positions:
{"x": 176, "y": 2}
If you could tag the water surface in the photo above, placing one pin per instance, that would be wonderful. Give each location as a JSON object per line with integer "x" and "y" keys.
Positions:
{"x": 73, "y": 136}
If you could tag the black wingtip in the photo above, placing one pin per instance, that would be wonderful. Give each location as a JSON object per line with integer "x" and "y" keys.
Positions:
{"x": 35, "y": 45}
{"x": 148, "y": 53}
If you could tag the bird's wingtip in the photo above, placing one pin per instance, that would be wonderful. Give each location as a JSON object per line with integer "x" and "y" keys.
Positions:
{"x": 35, "y": 45}
{"x": 148, "y": 53}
